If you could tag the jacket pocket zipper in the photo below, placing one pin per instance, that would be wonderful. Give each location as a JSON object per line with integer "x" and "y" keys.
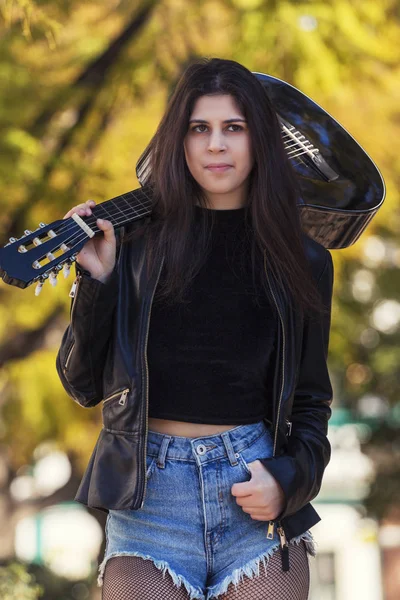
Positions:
{"x": 69, "y": 355}
{"x": 122, "y": 393}
{"x": 72, "y": 294}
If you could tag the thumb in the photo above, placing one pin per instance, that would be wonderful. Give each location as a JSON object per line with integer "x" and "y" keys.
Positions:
{"x": 242, "y": 488}
{"x": 107, "y": 228}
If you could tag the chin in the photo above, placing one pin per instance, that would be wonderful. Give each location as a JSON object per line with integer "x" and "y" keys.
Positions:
{"x": 219, "y": 189}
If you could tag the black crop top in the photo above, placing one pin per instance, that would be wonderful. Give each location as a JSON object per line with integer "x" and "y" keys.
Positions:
{"x": 207, "y": 359}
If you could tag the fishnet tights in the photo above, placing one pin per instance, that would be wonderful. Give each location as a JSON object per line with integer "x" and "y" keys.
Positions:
{"x": 133, "y": 578}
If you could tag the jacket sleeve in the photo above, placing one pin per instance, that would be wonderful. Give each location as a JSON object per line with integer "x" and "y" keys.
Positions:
{"x": 300, "y": 469}
{"x": 82, "y": 354}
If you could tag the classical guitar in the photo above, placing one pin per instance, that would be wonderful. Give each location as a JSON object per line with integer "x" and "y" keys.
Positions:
{"x": 341, "y": 189}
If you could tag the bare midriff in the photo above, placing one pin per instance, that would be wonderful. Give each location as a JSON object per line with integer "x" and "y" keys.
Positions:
{"x": 186, "y": 429}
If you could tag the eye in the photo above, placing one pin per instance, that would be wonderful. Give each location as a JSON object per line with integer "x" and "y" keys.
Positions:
{"x": 196, "y": 127}
{"x": 238, "y": 127}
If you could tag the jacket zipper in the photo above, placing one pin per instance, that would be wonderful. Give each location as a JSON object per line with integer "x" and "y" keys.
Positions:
{"x": 147, "y": 381}
{"x": 270, "y": 533}
{"x": 283, "y": 356}
{"x": 284, "y": 548}
{"x": 72, "y": 294}
{"x": 122, "y": 393}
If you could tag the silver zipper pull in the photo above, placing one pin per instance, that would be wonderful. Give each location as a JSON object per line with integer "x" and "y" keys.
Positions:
{"x": 72, "y": 290}
{"x": 270, "y": 532}
{"x": 122, "y": 400}
{"x": 289, "y": 426}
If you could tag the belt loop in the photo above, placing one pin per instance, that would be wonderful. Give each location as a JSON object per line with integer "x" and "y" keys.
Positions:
{"x": 163, "y": 451}
{"x": 229, "y": 448}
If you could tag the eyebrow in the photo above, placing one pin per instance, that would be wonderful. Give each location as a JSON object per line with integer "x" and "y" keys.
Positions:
{"x": 227, "y": 120}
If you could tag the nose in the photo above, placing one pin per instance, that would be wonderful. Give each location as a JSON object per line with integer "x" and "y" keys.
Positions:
{"x": 216, "y": 142}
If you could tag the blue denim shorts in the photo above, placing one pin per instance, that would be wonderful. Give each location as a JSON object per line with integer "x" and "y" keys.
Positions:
{"x": 190, "y": 524}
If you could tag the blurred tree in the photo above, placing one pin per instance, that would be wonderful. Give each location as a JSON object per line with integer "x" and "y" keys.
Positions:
{"x": 85, "y": 90}
{"x": 17, "y": 583}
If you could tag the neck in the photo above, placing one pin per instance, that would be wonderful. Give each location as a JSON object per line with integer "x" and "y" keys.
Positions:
{"x": 233, "y": 199}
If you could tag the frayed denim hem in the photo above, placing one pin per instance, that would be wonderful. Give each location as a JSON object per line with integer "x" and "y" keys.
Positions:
{"x": 253, "y": 567}
{"x": 309, "y": 541}
{"x": 160, "y": 564}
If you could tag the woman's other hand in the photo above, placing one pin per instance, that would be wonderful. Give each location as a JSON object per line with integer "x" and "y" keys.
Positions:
{"x": 262, "y": 497}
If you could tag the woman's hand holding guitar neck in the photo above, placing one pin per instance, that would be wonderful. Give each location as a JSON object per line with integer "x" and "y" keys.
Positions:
{"x": 98, "y": 254}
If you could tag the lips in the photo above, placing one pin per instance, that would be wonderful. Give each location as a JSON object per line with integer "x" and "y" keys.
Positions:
{"x": 216, "y": 165}
{"x": 217, "y": 168}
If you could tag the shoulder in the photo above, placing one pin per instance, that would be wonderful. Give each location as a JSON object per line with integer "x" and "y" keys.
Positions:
{"x": 139, "y": 227}
{"x": 319, "y": 257}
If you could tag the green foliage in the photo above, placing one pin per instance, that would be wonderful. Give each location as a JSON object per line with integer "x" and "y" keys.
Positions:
{"x": 33, "y": 20}
{"x": 17, "y": 584}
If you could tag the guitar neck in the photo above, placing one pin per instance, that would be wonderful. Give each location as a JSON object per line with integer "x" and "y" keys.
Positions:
{"x": 122, "y": 209}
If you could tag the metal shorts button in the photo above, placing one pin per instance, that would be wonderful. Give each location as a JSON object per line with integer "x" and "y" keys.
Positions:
{"x": 201, "y": 449}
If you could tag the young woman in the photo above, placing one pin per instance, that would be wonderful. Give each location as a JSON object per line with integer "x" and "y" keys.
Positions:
{"x": 215, "y": 410}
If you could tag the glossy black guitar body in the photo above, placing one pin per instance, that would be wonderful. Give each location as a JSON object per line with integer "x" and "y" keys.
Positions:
{"x": 335, "y": 206}
{"x": 341, "y": 190}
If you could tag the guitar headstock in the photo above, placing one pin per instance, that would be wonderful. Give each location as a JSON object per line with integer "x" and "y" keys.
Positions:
{"x": 41, "y": 254}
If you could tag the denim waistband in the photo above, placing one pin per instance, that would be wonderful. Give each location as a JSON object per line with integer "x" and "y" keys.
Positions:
{"x": 205, "y": 448}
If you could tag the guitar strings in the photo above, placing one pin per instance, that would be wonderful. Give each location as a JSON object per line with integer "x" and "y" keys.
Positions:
{"x": 111, "y": 212}
{"x": 75, "y": 228}
{"x": 113, "y": 206}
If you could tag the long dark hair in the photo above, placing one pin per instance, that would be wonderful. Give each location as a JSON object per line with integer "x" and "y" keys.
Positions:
{"x": 272, "y": 190}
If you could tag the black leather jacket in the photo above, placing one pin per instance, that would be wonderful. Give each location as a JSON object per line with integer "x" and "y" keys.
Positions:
{"x": 102, "y": 358}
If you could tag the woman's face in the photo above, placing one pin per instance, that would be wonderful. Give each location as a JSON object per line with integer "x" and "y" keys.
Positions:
{"x": 218, "y": 134}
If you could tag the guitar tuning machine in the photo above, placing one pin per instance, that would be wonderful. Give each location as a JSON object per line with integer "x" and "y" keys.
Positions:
{"x": 66, "y": 268}
{"x": 39, "y": 285}
{"x": 53, "y": 278}
{"x": 38, "y": 288}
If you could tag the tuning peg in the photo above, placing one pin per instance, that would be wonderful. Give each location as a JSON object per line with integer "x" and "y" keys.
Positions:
{"x": 38, "y": 288}
{"x": 27, "y": 232}
{"x": 22, "y": 248}
{"x": 53, "y": 278}
{"x": 12, "y": 240}
{"x": 66, "y": 269}
{"x": 42, "y": 224}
